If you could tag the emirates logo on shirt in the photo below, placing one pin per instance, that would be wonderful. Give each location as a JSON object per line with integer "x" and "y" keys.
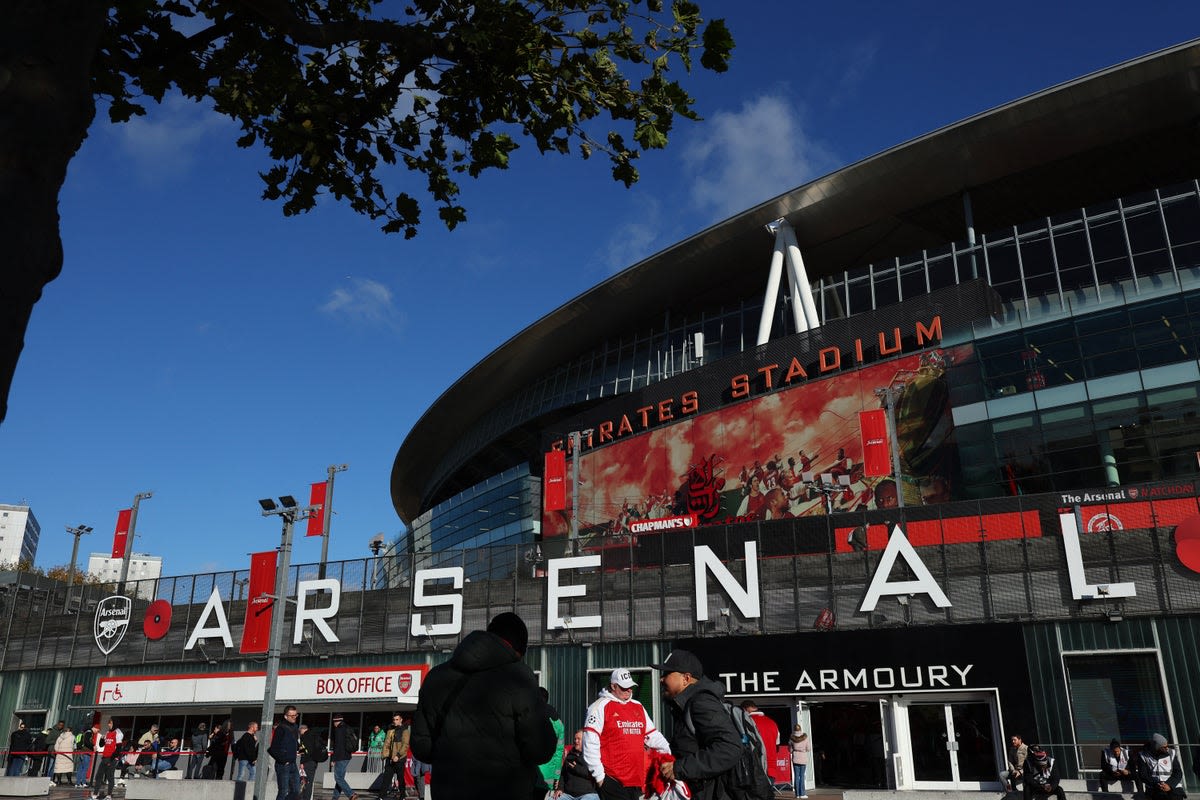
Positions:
{"x": 634, "y": 728}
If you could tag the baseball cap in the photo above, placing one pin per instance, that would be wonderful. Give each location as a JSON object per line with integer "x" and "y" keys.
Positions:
{"x": 622, "y": 678}
{"x": 681, "y": 661}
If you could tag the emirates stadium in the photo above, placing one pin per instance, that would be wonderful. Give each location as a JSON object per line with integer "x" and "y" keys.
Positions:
{"x": 907, "y": 455}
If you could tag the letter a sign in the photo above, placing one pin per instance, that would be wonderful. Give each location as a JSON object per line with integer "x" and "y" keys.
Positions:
{"x": 112, "y": 618}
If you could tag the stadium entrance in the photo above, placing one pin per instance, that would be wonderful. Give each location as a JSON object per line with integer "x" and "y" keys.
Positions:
{"x": 848, "y": 745}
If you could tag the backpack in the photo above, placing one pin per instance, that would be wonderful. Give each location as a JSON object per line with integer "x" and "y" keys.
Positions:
{"x": 747, "y": 780}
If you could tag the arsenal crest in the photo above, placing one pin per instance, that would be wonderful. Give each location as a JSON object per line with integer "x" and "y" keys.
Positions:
{"x": 404, "y": 683}
{"x": 112, "y": 619}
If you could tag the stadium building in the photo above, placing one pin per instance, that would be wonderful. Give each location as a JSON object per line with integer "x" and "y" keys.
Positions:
{"x": 908, "y": 455}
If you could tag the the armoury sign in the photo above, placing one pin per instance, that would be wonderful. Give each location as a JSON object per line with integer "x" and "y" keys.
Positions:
{"x": 441, "y": 588}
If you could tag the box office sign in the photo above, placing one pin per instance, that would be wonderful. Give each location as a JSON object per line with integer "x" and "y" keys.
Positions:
{"x": 385, "y": 684}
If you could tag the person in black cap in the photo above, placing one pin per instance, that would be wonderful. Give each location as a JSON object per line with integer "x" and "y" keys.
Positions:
{"x": 1041, "y": 775}
{"x": 344, "y": 743}
{"x": 706, "y": 745}
{"x": 1160, "y": 769}
{"x": 1114, "y": 763}
{"x": 480, "y": 720}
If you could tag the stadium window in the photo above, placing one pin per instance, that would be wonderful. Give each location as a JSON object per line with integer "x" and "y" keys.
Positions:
{"x": 1162, "y": 332}
{"x": 912, "y": 280}
{"x": 1000, "y": 358}
{"x": 1117, "y": 695}
{"x": 1110, "y": 251}
{"x": 940, "y": 274}
{"x": 1106, "y": 343}
{"x": 886, "y": 288}
{"x": 859, "y": 293}
{"x": 1182, "y": 216}
{"x": 1147, "y": 241}
{"x": 1003, "y": 270}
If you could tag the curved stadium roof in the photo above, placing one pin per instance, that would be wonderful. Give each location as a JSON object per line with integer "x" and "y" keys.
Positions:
{"x": 1127, "y": 128}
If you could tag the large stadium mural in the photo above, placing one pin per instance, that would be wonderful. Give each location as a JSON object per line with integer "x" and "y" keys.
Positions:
{"x": 767, "y": 458}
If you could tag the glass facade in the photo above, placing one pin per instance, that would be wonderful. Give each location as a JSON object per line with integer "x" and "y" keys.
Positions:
{"x": 504, "y": 509}
{"x": 1086, "y": 376}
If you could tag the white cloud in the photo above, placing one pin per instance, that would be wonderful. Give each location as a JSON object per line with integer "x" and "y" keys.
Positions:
{"x": 751, "y": 155}
{"x": 162, "y": 144}
{"x": 861, "y": 59}
{"x": 365, "y": 302}
{"x": 631, "y": 241}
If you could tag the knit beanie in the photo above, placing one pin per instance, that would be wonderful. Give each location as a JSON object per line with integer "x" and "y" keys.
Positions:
{"x": 511, "y": 628}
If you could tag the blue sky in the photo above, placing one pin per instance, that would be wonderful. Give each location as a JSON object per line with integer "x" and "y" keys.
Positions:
{"x": 200, "y": 345}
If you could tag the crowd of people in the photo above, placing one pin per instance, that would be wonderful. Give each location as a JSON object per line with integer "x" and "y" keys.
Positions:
{"x": 487, "y": 729}
{"x": 1155, "y": 769}
{"x": 483, "y": 727}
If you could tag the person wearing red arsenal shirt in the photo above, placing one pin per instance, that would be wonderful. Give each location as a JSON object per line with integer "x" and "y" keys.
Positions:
{"x": 615, "y": 737}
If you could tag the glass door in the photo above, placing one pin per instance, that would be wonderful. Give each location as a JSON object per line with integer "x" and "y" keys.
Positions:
{"x": 952, "y": 744}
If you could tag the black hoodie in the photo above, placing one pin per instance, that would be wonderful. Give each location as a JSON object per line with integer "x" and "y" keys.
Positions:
{"x": 482, "y": 725}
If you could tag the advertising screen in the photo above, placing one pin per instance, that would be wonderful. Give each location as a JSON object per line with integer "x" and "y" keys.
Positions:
{"x": 792, "y": 453}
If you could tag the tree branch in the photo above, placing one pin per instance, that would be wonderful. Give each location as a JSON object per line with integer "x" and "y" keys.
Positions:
{"x": 414, "y": 41}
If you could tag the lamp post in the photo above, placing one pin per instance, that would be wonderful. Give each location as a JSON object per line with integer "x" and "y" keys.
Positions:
{"x": 888, "y": 395}
{"x": 828, "y": 484}
{"x": 327, "y": 515}
{"x": 77, "y": 531}
{"x": 377, "y": 544}
{"x": 290, "y": 513}
{"x": 576, "y": 444}
{"x": 137, "y": 500}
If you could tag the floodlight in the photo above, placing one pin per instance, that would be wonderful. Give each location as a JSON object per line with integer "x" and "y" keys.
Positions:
{"x": 287, "y": 500}
{"x": 267, "y": 504}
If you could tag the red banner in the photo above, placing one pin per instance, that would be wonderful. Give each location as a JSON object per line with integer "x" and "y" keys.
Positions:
{"x": 316, "y": 523}
{"x": 121, "y": 533}
{"x": 554, "y": 489}
{"x": 256, "y": 634}
{"x": 877, "y": 460}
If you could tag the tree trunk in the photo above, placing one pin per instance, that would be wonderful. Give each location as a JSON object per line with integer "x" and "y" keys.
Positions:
{"x": 46, "y": 106}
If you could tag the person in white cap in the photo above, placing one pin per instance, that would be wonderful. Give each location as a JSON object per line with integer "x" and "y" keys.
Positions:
{"x": 615, "y": 736}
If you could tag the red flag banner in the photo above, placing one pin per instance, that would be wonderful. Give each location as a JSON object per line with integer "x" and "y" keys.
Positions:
{"x": 877, "y": 460}
{"x": 554, "y": 490}
{"x": 256, "y": 634}
{"x": 316, "y": 523}
{"x": 121, "y": 533}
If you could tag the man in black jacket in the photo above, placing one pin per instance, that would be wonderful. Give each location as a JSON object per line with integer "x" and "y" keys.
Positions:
{"x": 345, "y": 742}
{"x": 576, "y": 782}
{"x": 1041, "y": 775}
{"x": 245, "y": 752}
{"x": 18, "y": 748}
{"x": 199, "y": 747}
{"x": 285, "y": 745}
{"x": 312, "y": 755}
{"x": 480, "y": 720}
{"x": 709, "y": 747}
